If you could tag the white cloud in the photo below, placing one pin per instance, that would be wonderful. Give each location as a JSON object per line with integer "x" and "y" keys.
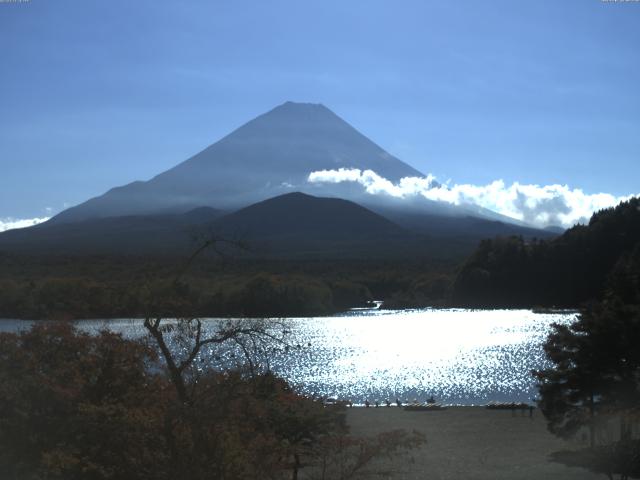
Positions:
{"x": 11, "y": 223}
{"x": 374, "y": 183}
{"x": 534, "y": 204}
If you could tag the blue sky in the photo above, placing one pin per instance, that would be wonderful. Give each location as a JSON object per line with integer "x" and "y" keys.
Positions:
{"x": 95, "y": 94}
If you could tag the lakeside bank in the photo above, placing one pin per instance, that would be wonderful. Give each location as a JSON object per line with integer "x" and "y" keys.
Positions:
{"x": 471, "y": 443}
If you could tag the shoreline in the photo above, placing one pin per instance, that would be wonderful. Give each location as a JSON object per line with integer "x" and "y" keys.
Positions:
{"x": 471, "y": 443}
{"x": 350, "y": 312}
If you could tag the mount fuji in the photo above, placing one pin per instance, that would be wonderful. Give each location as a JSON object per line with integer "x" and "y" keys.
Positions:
{"x": 271, "y": 156}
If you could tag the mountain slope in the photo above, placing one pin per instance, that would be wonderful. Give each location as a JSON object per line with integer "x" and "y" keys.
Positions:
{"x": 296, "y": 224}
{"x": 261, "y": 159}
{"x": 126, "y": 235}
{"x": 291, "y": 224}
{"x": 300, "y": 215}
{"x": 468, "y": 226}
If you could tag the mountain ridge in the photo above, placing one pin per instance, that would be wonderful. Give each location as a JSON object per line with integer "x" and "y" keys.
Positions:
{"x": 289, "y": 225}
{"x": 293, "y": 222}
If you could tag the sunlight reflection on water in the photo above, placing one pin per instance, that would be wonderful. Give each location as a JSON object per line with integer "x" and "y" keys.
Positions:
{"x": 459, "y": 356}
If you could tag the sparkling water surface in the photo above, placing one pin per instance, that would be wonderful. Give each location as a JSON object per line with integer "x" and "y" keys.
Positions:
{"x": 459, "y": 356}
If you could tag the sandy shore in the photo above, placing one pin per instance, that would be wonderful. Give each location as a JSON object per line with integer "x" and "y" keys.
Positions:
{"x": 472, "y": 443}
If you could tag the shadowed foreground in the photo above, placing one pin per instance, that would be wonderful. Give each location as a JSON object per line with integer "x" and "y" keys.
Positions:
{"x": 472, "y": 443}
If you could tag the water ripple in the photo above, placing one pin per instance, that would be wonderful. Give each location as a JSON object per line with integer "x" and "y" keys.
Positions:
{"x": 459, "y": 356}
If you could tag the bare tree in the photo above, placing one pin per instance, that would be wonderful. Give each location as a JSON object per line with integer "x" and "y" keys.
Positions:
{"x": 317, "y": 443}
{"x": 253, "y": 337}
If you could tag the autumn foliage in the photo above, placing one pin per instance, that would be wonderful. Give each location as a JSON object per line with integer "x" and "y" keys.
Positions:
{"x": 80, "y": 406}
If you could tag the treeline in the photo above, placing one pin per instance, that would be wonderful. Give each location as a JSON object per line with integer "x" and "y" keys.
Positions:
{"x": 72, "y": 288}
{"x": 564, "y": 272}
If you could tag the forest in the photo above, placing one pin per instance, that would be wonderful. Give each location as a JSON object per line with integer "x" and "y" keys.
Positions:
{"x": 65, "y": 288}
{"x": 564, "y": 272}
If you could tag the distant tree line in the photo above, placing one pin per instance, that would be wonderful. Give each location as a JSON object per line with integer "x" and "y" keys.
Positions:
{"x": 563, "y": 272}
{"x": 112, "y": 287}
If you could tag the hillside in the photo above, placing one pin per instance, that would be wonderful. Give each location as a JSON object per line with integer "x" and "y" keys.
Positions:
{"x": 460, "y": 226}
{"x": 127, "y": 235}
{"x": 291, "y": 224}
{"x": 563, "y": 272}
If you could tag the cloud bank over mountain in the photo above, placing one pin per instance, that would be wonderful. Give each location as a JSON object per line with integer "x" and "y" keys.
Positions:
{"x": 537, "y": 205}
{"x": 11, "y": 223}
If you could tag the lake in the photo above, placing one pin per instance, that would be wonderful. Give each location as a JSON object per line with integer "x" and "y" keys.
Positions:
{"x": 465, "y": 357}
